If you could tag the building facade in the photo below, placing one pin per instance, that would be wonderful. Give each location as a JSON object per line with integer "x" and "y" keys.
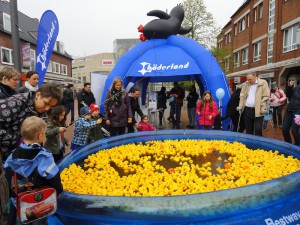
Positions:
{"x": 262, "y": 36}
{"x": 82, "y": 67}
{"x": 60, "y": 66}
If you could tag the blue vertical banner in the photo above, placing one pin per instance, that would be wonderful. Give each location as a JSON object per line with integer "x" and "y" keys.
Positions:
{"x": 47, "y": 34}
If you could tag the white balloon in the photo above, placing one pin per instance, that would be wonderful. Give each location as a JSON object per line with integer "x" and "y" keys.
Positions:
{"x": 220, "y": 93}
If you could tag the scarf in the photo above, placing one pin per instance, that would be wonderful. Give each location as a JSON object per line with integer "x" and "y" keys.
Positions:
{"x": 30, "y": 87}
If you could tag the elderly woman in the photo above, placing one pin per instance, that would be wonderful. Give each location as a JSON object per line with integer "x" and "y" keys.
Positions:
{"x": 32, "y": 80}
{"x": 9, "y": 80}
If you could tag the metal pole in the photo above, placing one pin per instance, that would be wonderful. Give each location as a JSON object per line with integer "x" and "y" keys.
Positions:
{"x": 15, "y": 35}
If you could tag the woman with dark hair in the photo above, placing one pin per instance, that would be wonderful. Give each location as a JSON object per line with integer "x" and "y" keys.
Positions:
{"x": 208, "y": 110}
{"x": 9, "y": 80}
{"x": 31, "y": 83}
{"x": 192, "y": 99}
{"x": 161, "y": 104}
{"x": 117, "y": 108}
{"x": 56, "y": 126}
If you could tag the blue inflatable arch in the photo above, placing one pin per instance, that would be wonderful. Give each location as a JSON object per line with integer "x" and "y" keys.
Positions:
{"x": 176, "y": 58}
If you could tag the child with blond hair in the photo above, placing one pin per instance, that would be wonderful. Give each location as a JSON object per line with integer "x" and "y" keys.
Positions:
{"x": 33, "y": 162}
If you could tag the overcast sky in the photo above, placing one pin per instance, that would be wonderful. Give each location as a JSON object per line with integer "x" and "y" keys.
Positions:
{"x": 90, "y": 26}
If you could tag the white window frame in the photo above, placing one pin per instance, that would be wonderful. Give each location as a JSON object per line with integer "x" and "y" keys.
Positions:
{"x": 32, "y": 59}
{"x": 256, "y": 51}
{"x": 242, "y": 24}
{"x": 270, "y": 49}
{"x": 236, "y": 59}
{"x": 227, "y": 64}
{"x": 260, "y": 7}
{"x": 10, "y": 52}
{"x": 63, "y": 71}
{"x": 49, "y": 68}
{"x": 6, "y": 22}
{"x": 245, "y": 56}
{"x": 290, "y": 38}
{"x": 56, "y": 68}
{"x": 255, "y": 14}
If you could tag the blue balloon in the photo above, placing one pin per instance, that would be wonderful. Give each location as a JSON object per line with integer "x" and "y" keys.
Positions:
{"x": 220, "y": 93}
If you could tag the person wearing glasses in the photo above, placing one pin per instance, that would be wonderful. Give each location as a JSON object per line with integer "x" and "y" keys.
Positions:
{"x": 9, "y": 81}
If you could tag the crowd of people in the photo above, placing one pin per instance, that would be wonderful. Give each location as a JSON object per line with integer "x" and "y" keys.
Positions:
{"x": 34, "y": 118}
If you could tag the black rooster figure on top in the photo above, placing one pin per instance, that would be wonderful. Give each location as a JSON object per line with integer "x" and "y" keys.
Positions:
{"x": 165, "y": 26}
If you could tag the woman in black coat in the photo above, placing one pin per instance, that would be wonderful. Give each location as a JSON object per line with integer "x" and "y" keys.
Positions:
{"x": 161, "y": 103}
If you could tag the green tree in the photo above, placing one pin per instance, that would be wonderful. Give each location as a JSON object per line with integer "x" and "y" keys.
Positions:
{"x": 204, "y": 28}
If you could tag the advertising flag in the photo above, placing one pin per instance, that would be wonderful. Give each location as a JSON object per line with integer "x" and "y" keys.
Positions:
{"x": 47, "y": 34}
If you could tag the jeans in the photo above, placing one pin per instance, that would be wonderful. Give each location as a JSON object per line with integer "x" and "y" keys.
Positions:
{"x": 175, "y": 109}
{"x": 289, "y": 123}
{"x": 70, "y": 107}
{"x": 192, "y": 116}
{"x": 277, "y": 113}
{"x": 161, "y": 115}
{"x": 253, "y": 124}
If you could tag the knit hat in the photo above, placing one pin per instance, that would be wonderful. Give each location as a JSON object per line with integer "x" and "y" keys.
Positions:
{"x": 273, "y": 84}
{"x": 93, "y": 107}
{"x": 84, "y": 110}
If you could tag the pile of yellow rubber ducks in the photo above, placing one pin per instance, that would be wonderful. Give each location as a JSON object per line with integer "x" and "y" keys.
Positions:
{"x": 175, "y": 167}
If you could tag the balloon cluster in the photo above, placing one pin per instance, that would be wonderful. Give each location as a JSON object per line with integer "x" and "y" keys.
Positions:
{"x": 297, "y": 119}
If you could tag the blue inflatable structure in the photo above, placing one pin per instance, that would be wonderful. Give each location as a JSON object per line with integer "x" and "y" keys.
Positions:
{"x": 272, "y": 202}
{"x": 167, "y": 60}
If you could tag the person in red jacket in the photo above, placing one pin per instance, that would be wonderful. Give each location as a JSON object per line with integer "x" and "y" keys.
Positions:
{"x": 145, "y": 125}
{"x": 208, "y": 110}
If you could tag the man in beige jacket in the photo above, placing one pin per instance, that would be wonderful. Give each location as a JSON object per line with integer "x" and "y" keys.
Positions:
{"x": 254, "y": 100}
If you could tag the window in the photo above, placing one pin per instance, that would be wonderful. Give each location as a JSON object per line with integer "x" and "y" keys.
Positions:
{"x": 32, "y": 59}
{"x": 6, "y": 56}
{"x": 63, "y": 69}
{"x": 6, "y": 22}
{"x": 229, "y": 37}
{"x": 255, "y": 14}
{"x": 235, "y": 29}
{"x": 227, "y": 64}
{"x": 49, "y": 68}
{"x": 271, "y": 15}
{"x": 56, "y": 67}
{"x": 84, "y": 79}
{"x": 290, "y": 38}
{"x": 248, "y": 20}
{"x": 270, "y": 49}
{"x": 260, "y": 10}
{"x": 256, "y": 51}
{"x": 245, "y": 52}
{"x": 236, "y": 59}
{"x": 242, "y": 24}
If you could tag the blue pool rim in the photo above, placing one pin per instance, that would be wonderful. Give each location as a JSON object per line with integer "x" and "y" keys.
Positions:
{"x": 204, "y": 207}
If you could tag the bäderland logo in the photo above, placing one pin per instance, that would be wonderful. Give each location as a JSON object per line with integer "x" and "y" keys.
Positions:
{"x": 42, "y": 57}
{"x": 147, "y": 67}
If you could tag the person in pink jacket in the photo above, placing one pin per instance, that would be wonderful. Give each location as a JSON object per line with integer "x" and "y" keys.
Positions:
{"x": 145, "y": 125}
{"x": 208, "y": 110}
{"x": 277, "y": 101}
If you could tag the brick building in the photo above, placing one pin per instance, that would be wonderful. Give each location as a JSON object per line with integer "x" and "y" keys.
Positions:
{"x": 60, "y": 66}
{"x": 262, "y": 36}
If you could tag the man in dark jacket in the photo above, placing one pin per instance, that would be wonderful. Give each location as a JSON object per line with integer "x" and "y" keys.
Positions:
{"x": 292, "y": 109}
{"x": 68, "y": 101}
{"x": 135, "y": 107}
{"x": 85, "y": 96}
{"x": 178, "y": 93}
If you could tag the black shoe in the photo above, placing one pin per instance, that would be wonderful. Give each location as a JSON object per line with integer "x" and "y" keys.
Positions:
{"x": 191, "y": 127}
{"x": 188, "y": 126}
